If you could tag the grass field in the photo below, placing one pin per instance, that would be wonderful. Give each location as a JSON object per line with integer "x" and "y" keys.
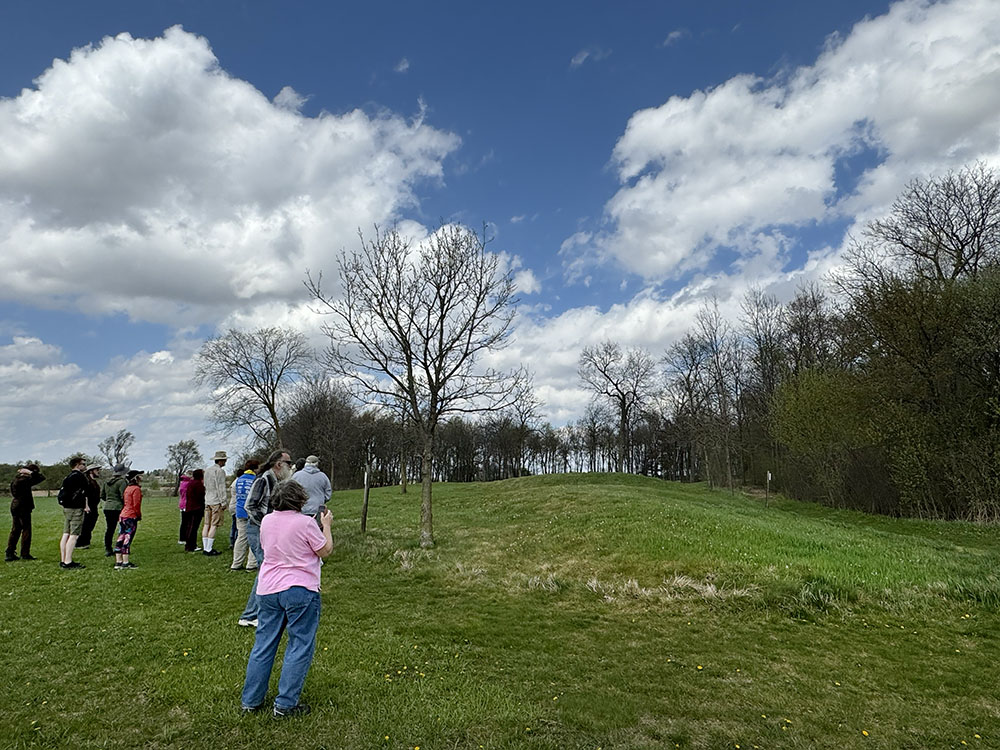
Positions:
{"x": 580, "y": 611}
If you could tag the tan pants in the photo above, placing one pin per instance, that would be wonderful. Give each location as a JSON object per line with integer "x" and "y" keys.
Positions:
{"x": 241, "y": 550}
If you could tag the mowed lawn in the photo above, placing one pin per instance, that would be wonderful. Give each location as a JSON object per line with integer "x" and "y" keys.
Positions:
{"x": 580, "y": 611}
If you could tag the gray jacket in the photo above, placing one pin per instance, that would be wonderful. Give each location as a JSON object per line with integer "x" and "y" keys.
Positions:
{"x": 317, "y": 484}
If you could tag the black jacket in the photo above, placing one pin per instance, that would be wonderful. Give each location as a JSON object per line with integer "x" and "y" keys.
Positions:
{"x": 20, "y": 489}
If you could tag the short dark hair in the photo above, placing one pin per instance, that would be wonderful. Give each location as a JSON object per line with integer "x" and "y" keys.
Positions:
{"x": 252, "y": 464}
{"x": 198, "y": 474}
{"x": 76, "y": 461}
{"x": 289, "y": 495}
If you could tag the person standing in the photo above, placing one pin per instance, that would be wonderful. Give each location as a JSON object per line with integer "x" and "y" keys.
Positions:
{"x": 93, "y": 473}
{"x": 242, "y": 554}
{"x": 258, "y": 505}
{"x": 113, "y": 498}
{"x": 194, "y": 509}
{"x": 288, "y": 590}
{"x": 316, "y": 483}
{"x": 73, "y": 499}
{"x": 21, "y": 504}
{"x": 129, "y": 520}
{"x": 215, "y": 502}
{"x": 182, "y": 488}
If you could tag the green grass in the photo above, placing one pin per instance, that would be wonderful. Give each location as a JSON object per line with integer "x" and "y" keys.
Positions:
{"x": 581, "y": 611}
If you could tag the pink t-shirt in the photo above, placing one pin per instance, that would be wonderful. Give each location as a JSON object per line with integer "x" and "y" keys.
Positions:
{"x": 290, "y": 542}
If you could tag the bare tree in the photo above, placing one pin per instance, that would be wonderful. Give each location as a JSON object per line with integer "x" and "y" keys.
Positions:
{"x": 413, "y": 325}
{"x": 115, "y": 448}
{"x": 945, "y": 227}
{"x": 250, "y": 372}
{"x": 180, "y": 457}
{"x": 625, "y": 379}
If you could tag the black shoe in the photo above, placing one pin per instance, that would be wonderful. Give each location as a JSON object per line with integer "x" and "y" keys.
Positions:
{"x": 211, "y": 553}
{"x": 73, "y": 565}
{"x": 129, "y": 565}
{"x": 11, "y": 558}
{"x": 82, "y": 546}
{"x": 286, "y": 713}
{"x": 28, "y": 557}
{"x": 108, "y": 553}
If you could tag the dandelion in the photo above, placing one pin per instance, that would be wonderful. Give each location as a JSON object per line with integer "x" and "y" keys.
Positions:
{"x": 864, "y": 732}
{"x": 763, "y": 716}
{"x": 700, "y": 667}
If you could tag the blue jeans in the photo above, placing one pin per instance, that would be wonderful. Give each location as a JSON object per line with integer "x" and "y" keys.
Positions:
{"x": 253, "y": 539}
{"x": 296, "y": 609}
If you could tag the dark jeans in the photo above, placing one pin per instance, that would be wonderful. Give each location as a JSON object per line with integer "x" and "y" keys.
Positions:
{"x": 21, "y": 528}
{"x": 89, "y": 522}
{"x": 111, "y": 519}
{"x": 232, "y": 533}
{"x": 190, "y": 525}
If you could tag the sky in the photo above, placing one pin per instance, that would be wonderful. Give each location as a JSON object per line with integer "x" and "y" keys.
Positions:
{"x": 172, "y": 169}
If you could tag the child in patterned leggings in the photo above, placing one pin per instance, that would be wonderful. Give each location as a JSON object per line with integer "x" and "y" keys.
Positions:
{"x": 129, "y": 520}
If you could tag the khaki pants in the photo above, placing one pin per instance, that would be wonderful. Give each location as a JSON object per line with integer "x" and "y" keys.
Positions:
{"x": 241, "y": 550}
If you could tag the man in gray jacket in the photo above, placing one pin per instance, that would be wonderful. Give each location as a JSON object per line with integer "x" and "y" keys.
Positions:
{"x": 317, "y": 484}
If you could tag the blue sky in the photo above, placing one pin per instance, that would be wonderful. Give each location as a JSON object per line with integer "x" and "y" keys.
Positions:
{"x": 180, "y": 165}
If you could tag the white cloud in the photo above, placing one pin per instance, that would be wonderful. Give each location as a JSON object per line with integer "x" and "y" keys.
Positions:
{"x": 675, "y": 36}
{"x": 745, "y": 164}
{"x": 595, "y": 54}
{"x": 289, "y": 99}
{"x": 402, "y": 66}
{"x": 139, "y": 176}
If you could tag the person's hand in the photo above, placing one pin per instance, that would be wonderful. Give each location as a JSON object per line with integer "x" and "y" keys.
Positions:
{"x": 327, "y": 518}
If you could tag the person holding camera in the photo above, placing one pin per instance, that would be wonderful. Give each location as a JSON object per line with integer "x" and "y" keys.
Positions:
{"x": 288, "y": 599}
{"x": 21, "y": 505}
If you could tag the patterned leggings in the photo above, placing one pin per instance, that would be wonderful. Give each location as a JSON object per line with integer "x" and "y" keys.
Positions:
{"x": 125, "y": 535}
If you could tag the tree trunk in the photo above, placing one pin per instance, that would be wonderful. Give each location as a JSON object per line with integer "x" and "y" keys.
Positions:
{"x": 364, "y": 503}
{"x": 402, "y": 469}
{"x": 426, "y": 523}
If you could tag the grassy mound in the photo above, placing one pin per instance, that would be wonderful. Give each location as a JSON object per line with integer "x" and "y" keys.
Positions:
{"x": 580, "y": 611}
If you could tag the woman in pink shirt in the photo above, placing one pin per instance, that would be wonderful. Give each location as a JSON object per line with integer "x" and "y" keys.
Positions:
{"x": 288, "y": 589}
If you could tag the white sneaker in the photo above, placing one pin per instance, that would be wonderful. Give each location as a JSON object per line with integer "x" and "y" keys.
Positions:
{"x": 180, "y": 542}
{"x": 243, "y": 623}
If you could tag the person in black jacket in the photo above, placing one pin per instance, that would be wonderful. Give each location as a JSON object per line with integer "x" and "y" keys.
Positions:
{"x": 73, "y": 499}
{"x": 93, "y": 473}
{"x": 21, "y": 505}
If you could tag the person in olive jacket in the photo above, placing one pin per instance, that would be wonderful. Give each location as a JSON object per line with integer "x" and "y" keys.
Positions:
{"x": 113, "y": 497}
{"x": 21, "y": 505}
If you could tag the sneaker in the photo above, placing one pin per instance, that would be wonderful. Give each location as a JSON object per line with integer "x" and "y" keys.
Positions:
{"x": 235, "y": 570}
{"x": 129, "y": 565}
{"x": 211, "y": 553}
{"x": 72, "y": 565}
{"x": 28, "y": 557}
{"x": 286, "y": 713}
{"x": 181, "y": 541}
{"x": 247, "y": 623}
{"x": 119, "y": 566}
{"x": 247, "y": 710}
{"x": 11, "y": 558}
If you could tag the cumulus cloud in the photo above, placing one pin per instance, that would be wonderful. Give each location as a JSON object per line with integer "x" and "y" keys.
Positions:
{"x": 59, "y": 409}
{"x": 402, "y": 66}
{"x": 139, "y": 176}
{"x": 746, "y": 164}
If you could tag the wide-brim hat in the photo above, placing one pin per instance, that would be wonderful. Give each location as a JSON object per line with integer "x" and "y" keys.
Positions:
{"x": 220, "y": 456}
{"x": 133, "y": 473}
{"x": 91, "y": 467}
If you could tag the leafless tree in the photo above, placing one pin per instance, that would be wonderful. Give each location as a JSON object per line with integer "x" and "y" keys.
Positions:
{"x": 115, "y": 448}
{"x": 414, "y": 323}
{"x": 945, "y": 227}
{"x": 250, "y": 373}
{"x": 181, "y": 456}
{"x": 625, "y": 380}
